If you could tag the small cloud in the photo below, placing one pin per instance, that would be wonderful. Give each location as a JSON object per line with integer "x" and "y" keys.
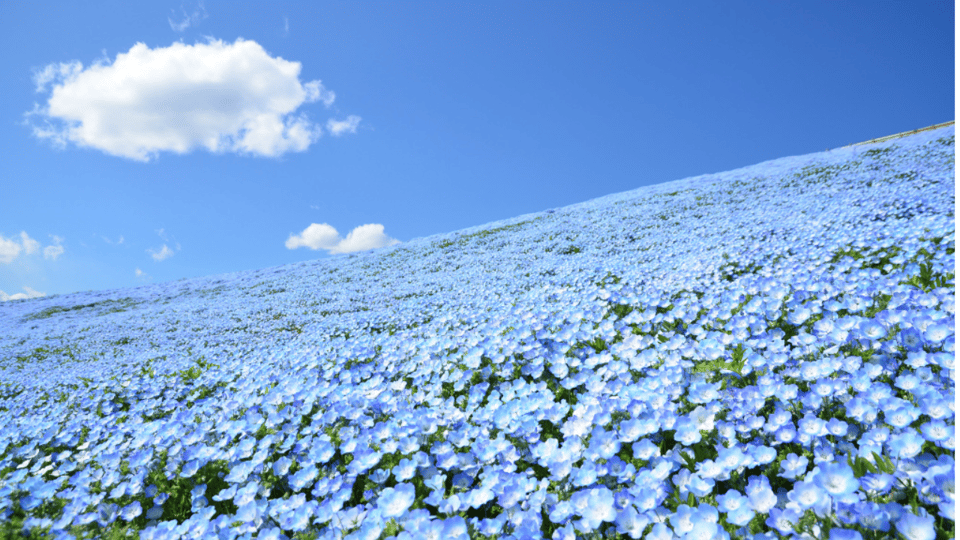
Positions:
{"x": 189, "y": 20}
{"x": 10, "y": 249}
{"x": 322, "y": 236}
{"x": 53, "y": 251}
{"x": 107, "y": 240}
{"x": 29, "y": 244}
{"x": 339, "y": 127}
{"x": 214, "y": 96}
{"x": 314, "y": 207}
{"x": 286, "y": 27}
{"x": 161, "y": 254}
{"x": 140, "y": 274}
{"x": 20, "y": 296}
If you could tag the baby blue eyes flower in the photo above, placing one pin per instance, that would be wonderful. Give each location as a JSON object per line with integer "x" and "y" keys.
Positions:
{"x": 871, "y": 329}
{"x": 936, "y": 431}
{"x": 838, "y": 480}
{"x": 906, "y": 445}
{"x": 404, "y": 470}
{"x": 393, "y": 502}
{"x": 303, "y": 477}
{"x": 845, "y": 534}
{"x": 793, "y": 466}
{"x": 914, "y": 527}
{"x": 935, "y": 333}
{"x": 132, "y": 510}
{"x": 282, "y": 465}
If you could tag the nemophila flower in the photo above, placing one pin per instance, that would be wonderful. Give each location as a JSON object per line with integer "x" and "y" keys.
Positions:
{"x": 785, "y": 434}
{"x": 645, "y": 450}
{"x": 807, "y": 495}
{"x": 914, "y": 527}
{"x": 871, "y": 329}
{"x": 793, "y": 466}
{"x": 936, "y": 333}
{"x": 838, "y": 480}
{"x": 699, "y": 486}
{"x": 736, "y": 506}
{"x": 812, "y": 426}
{"x": 393, "y": 502}
{"x": 631, "y": 523}
{"x": 783, "y": 520}
{"x": 682, "y": 519}
{"x": 936, "y": 431}
{"x": 906, "y": 444}
{"x": 837, "y": 427}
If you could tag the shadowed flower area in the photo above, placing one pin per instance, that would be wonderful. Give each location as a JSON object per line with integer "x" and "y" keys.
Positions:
{"x": 762, "y": 353}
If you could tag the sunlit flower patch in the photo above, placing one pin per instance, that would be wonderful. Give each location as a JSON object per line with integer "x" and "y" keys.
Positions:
{"x": 762, "y": 353}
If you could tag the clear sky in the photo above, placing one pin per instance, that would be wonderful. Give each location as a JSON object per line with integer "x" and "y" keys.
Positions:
{"x": 151, "y": 141}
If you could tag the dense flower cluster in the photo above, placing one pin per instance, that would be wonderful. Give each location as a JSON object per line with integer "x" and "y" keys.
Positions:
{"x": 762, "y": 353}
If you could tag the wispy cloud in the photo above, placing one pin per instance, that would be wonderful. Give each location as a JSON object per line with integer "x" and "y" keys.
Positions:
{"x": 322, "y": 236}
{"x": 53, "y": 251}
{"x": 286, "y": 27}
{"x": 189, "y": 19}
{"x": 217, "y": 96}
{"x": 160, "y": 254}
{"x": 10, "y": 249}
{"x": 20, "y": 296}
{"x": 339, "y": 127}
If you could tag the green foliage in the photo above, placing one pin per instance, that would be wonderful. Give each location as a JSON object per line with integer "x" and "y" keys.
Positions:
{"x": 862, "y": 466}
{"x": 569, "y": 250}
{"x": 731, "y": 270}
{"x": 927, "y": 280}
{"x": 112, "y": 306}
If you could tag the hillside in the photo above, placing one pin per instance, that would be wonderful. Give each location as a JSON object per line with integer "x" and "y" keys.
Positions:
{"x": 629, "y": 365}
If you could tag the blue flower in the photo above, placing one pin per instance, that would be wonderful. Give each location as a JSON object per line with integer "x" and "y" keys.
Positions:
{"x": 838, "y": 480}
{"x": 914, "y": 527}
{"x": 845, "y": 534}
{"x": 783, "y": 520}
{"x": 808, "y": 495}
{"x": 393, "y": 502}
{"x": 631, "y": 523}
{"x": 793, "y": 466}
{"x": 132, "y": 510}
{"x": 905, "y": 445}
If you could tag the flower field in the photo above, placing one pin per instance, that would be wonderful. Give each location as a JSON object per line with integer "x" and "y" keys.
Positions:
{"x": 762, "y": 353}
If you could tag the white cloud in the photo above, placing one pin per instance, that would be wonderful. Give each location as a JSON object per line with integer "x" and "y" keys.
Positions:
{"x": 161, "y": 254}
{"x": 140, "y": 273}
{"x": 9, "y": 250}
{"x": 29, "y": 244}
{"x": 189, "y": 20}
{"x": 19, "y": 296}
{"x": 322, "y": 236}
{"x": 55, "y": 250}
{"x": 339, "y": 127}
{"x": 222, "y": 97}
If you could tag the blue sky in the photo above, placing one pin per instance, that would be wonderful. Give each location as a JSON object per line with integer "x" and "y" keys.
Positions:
{"x": 146, "y": 142}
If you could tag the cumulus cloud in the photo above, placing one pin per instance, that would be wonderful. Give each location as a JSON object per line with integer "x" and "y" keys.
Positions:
{"x": 10, "y": 249}
{"x": 189, "y": 19}
{"x": 29, "y": 244}
{"x": 161, "y": 254}
{"x": 55, "y": 250}
{"x": 322, "y": 236}
{"x": 222, "y": 97}
{"x": 339, "y": 127}
{"x": 20, "y": 296}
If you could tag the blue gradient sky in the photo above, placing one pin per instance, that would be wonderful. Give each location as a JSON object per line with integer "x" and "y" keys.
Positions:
{"x": 127, "y": 164}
